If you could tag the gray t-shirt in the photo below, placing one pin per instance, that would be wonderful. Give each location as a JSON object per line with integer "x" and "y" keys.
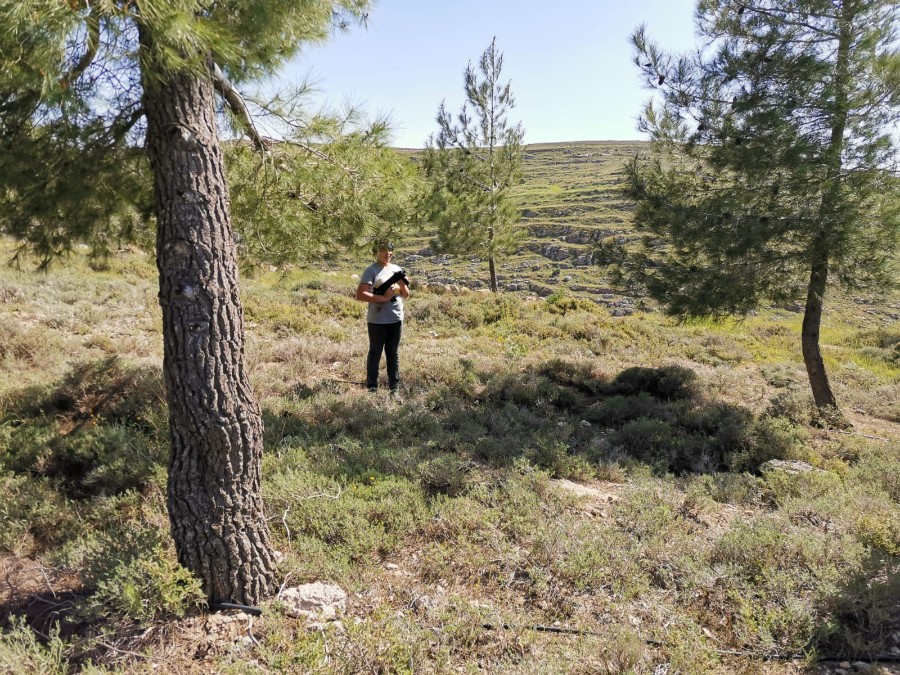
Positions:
{"x": 382, "y": 312}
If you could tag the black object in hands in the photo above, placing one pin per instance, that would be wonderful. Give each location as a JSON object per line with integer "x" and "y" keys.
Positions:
{"x": 394, "y": 278}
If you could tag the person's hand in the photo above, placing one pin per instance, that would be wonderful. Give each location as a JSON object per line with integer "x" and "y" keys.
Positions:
{"x": 388, "y": 294}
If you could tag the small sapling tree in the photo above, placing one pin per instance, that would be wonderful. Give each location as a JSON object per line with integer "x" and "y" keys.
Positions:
{"x": 473, "y": 164}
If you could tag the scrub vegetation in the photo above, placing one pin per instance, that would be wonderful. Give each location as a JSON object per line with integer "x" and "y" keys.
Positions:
{"x": 550, "y": 467}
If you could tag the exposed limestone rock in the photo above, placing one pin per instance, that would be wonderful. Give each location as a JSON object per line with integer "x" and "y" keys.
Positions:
{"x": 317, "y": 600}
{"x": 789, "y": 466}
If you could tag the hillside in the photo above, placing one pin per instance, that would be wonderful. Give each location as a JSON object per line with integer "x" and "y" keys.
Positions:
{"x": 570, "y": 197}
{"x": 564, "y": 487}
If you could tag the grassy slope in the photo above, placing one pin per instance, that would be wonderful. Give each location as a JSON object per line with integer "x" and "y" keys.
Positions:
{"x": 446, "y": 511}
{"x": 570, "y": 196}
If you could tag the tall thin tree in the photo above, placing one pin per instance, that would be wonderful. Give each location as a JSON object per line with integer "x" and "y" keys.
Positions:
{"x": 773, "y": 169}
{"x": 472, "y": 166}
{"x": 83, "y": 84}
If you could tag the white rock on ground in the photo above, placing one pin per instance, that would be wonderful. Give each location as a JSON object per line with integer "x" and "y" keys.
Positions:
{"x": 789, "y": 466}
{"x": 319, "y": 600}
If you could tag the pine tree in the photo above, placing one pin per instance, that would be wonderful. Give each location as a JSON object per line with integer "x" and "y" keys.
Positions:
{"x": 84, "y": 85}
{"x": 773, "y": 172}
{"x": 332, "y": 185}
{"x": 472, "y": 166}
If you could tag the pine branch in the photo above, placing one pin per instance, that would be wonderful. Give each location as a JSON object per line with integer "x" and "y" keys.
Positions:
{"x": 92, "y": 46}
{"x": 238, "y": 107}
{"x": 782, "y": 18}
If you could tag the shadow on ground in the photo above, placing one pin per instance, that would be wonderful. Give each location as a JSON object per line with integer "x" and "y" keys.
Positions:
{"x": 865, "y": 614}
{"x": 557, "y": 415}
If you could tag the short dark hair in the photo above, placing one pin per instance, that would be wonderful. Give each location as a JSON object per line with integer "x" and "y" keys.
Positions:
{"x": 382, "y": 245}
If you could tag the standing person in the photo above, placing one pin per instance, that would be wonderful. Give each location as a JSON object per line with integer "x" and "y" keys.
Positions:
{"x": 384, "y": 286}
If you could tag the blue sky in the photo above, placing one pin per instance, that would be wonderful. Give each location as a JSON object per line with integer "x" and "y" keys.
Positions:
{"x": 569, "y": 62}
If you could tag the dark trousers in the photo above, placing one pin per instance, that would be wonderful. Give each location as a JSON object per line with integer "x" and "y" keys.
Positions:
{"x": 384, "y": 337}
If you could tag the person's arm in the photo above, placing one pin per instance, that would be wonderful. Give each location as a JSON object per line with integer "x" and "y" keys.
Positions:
{"x": 364, "y": 294}
{"x": 403, "y": 288}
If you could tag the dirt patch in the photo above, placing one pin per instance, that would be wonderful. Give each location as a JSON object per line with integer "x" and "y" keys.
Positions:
{"x": 40, "y": 595}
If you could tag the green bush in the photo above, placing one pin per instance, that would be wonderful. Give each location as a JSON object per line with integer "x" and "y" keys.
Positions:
{"x": 599, "y": 559}
{"x": 880, "y": 530}
{"x": 769, "y": 438}
{"x": 22, "y": 650}
{"x": 793, "y": 405}
{"x": 559, "y": 461}
{"x": 669, "y": 383}
{"x": 860, "y": 611}
{"x": 881, "y": 469}
{"x": 446, "y": 474}
{"x": 653, "y": 441}
{"x": 558, "y": 303}
{"x": 28, "y": 347}
{"x": 92, "y": 460}
{"x": 33, "y": 516}
{"x": 615, "y": 411}
{"x": 737, "y": 489}
{"x": 148, "y": 587}
{"x": 356, "y": 521}
{"x": 502, "y": 307}
{"x": 773, "y": 576}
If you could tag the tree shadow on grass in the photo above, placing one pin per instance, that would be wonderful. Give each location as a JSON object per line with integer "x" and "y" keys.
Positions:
{"x": 27, "y": 594}
{"x": 864, "y": 615}
{"x": 74, "y": 456}
{"x": 557, "y": 415}
{"x": 100, "y": 430}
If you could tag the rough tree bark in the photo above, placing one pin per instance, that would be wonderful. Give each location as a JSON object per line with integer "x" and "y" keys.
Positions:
{"x": 214, "y": 500}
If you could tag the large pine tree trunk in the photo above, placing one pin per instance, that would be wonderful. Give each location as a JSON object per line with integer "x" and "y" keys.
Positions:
{"x": 214, "y": 500}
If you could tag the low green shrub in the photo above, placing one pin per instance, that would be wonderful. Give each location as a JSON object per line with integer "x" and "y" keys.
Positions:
{"x": 603, "y": 560}
{"x": 28, "y": 347}
{"x": 617, "y": 410}
{"x": 445, "y": 473}
{"x": 879, "y": 529}
{"x": 33, "y": 516}
{"x": 794, "y": 405}
{"x": 558, "y": 303}
{"x": 144, "y": 588}
{"x": 772, "y": 577}
{"x": 653, "y": 441}
{"x": 669, "y": 383}
{"x": 22, "y": 650}
{"x": 559, "y": 461}
{"x": 769, "y": 438}
{"x": 859, "y": 612}
{"x": 737, "y": 489}
{"x": 358, "y": 520}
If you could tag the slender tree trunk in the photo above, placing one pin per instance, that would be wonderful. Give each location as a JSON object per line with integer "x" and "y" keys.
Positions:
{"x": 214, "y": 501}
{"x": 491, "y": 267}
{"x": 809, "y": 336}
